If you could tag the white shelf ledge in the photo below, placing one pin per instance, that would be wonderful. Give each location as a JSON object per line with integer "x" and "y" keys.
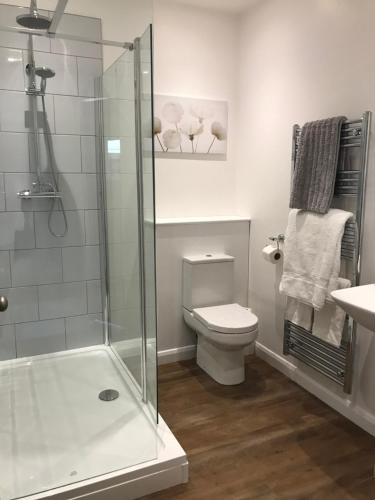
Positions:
{"x": 162, "y": 221}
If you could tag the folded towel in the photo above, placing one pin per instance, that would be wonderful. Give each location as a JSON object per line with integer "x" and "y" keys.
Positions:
{"x": 312, "y": 253}
{"x": 316, "y": 165}
{"x": 298, "y": 313}
{"x": 329, "y": 321}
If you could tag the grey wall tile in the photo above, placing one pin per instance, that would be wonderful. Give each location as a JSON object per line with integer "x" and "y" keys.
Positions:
{"x": 65, "y": 67}
{"x": 66, "y": 150}
{"x": 88, "y": 71}
{"x": 5, "y": 280}
{"x": 7, "y": 342}
{"x": 15, "y": 115}
{"x": 40, "y": 337}
{"x": 62, "y": 300}
{"x": 14, "y": 152}
{"x": 75, "y": 235}
{"x": 92, "y": 227}
{"x": 79, "y": 191}
{"x": 94, "y": 296}
{"x": 17, "y": 230}
{"x": 35, "y": 267}
{"x": 81, "y": 263}
{"x": 74, "y": 115}
{"x": 8, "y": 15}
{"x": 23, "y": 305}
{"x": 88, "y": 154}
{"x": 83, "y": 331}
{"x": 11, "y": 69}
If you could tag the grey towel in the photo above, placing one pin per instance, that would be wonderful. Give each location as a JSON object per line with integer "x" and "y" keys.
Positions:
{"x": 316, "y": 165}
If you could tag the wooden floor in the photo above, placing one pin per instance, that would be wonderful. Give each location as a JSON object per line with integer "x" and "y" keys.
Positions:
{"x": 265, "y": 439}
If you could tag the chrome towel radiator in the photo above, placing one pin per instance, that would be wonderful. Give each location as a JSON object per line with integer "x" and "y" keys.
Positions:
{"x": 336, "y": 363}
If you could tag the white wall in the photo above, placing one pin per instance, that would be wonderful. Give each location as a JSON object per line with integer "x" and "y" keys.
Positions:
{"x": 300, "y": 61}
{"x": 195, "y": 56}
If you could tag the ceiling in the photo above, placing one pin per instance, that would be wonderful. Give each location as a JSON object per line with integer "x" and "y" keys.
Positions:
{"x": 230, "y": 6}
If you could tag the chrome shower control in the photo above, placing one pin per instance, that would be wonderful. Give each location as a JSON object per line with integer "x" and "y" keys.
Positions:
{"x": 3, "y": 303}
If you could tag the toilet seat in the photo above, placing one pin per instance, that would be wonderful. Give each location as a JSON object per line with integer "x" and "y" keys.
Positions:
{"x": 227, "y": 319}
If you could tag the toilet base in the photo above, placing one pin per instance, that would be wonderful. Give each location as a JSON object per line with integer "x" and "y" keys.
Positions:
{"x": 225, "y": 366}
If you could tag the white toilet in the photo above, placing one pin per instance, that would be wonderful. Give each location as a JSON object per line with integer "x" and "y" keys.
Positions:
{"x": 224, "y": 329}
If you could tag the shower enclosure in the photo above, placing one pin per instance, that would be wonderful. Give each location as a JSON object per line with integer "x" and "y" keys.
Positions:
{"x": 78, "y": 388}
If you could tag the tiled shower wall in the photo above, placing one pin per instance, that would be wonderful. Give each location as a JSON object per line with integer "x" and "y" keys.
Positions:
{"x": 52, "y": 284}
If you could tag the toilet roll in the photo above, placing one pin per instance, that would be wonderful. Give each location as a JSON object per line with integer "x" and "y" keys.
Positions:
{"x": 272, "y": 254}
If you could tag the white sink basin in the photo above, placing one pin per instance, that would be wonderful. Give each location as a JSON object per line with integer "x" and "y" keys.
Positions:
{"x": 359, "y": 303}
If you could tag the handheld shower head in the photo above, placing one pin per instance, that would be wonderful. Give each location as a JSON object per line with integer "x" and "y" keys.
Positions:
{"x": 44, "y": 72}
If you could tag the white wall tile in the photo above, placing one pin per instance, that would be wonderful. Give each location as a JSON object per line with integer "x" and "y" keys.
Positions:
{"x": 94, "y": 296}
{"x": 62, "y": 300}
{"x": 88, "y": 71}
{"x": 74, "y": 115}
{"x": 7, "y": 342}
{"x": 35, "y": 267}
{"x": 66, "y": 151}
{"x": 23, "y": 305}
{"x": 75, "y": 235}
{"x": 121, "y": 191}
{"x": 15, "y": 115}
{"x": 123, "y": 259}
{"x": 124, "y": 161}
{"x": 122, "y": 225}
{"x": 88, "y": 154}
{"x": 92, "y": 227}
{"x": 65, "y": 80}
{"x": 40, "y": 337}
{"x": 5, "y": 280}
{"x": 79, "y": 191}
{"x": 8, "y": 15}
{"x": 14, "y": 152}
{"x": 15, "y": 182}
{"x": 17, "y": 230}
{"x": 81, "y": 263}
{"x": 119, "y": 118}
{"x": 2, "y": 193}
{"x": 87, "y": 27}
{"x": 11, "y": 69}
{"x": 83, "y": 331}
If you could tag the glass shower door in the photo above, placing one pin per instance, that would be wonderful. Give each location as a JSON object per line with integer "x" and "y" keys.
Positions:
{"x": 129, "y": 214}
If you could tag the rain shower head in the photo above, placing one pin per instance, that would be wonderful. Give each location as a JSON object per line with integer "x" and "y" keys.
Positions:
{"x": 33, "y": 20}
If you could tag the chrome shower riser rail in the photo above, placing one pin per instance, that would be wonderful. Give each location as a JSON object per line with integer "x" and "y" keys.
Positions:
{"x": 66, "y": 36}
{"x": 336, "y": 363}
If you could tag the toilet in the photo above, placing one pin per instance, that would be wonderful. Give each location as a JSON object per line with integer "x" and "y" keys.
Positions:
{"x": 224, "y": 329}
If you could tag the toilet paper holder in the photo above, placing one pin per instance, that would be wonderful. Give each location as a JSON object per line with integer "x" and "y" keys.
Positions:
{"x": 280, "y": 238}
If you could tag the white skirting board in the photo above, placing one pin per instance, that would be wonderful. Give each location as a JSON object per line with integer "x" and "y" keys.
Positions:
{"x": 176, "y": 354}
{"x": 185, "y": 352}
{"x": 343, "y": 405}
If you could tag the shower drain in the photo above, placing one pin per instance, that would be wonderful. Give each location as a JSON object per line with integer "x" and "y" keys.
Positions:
{"x": 108, "y": 395}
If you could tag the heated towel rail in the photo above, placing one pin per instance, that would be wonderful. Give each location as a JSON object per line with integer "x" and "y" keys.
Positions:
{"x": 336, "y": 363}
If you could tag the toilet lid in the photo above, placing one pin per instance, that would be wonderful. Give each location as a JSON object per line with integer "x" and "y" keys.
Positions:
{"x": 228, "y": 318}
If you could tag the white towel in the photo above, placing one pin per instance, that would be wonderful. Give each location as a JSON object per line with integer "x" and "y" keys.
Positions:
{"x": 329, "y": 321}
{"x": 299, "y": 313}
{"x": 312, "y": 253}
